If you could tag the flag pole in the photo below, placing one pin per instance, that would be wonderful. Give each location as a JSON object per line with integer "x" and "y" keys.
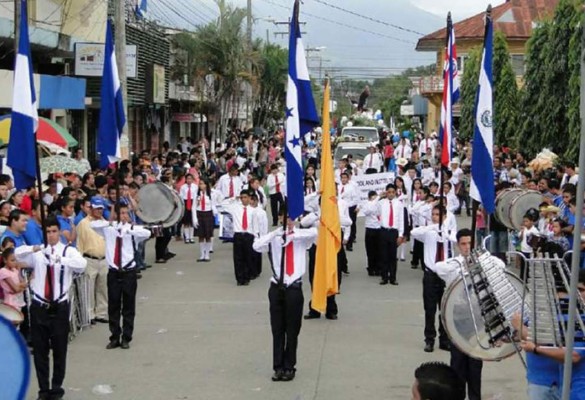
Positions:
{"x": 284, "y": 213}
{"x": 575, "y": 267}
{"x": 450, "y": 122}
{"x": 40, "y": 189}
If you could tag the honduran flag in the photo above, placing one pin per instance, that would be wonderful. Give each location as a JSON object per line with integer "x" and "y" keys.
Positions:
{"x": 22, "y": 150}
{"x": 451, "y": 94}
{"x": 482, "y": 187}
{"x": 140, "y": 8}
{"x": 112, "y": 118}
{"x": 301, "y": 116}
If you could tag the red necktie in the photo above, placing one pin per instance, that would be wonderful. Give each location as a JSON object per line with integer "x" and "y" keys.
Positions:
{"x": 342, "y": 189}
{"x": 371, "y": 158}
{"x": 402, "y": 156}
{"x": 391, "y": 216}
{"x": 231, "y": 187}
{"x": 290, "y": 258}
{"x": 203, "y": 202}
{"x": 189, "y": 199}
{"x": 245, "y": 219}
{"x": 440, "y": 256}
{"x": 118, "y": 252}
{"x": 49, "y": 281}
{"x": 277, "y": 184}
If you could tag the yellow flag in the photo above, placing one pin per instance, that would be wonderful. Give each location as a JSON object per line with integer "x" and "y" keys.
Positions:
{"x": 329, "y": 238}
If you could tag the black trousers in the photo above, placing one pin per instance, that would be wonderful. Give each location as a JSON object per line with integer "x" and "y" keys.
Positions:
{"x": 286, "y": 314}
{"x": 388, "y": 247}
{"x": 353, "y": 232}
{"x": 161, "y": 243}
{"x": 332, "y": 308}
{"x": 50, "y": 332}
{"x": 372, "y": 250}
{"x": 418, "y": 253}
{"x": 121, "y": 302}
{"x": 243, "y": 256}
{"x": 469, "y": 370}
{"x": 276, "y": 203}
{"x": 433, "y": 288}
{"x": 257, "y": 269}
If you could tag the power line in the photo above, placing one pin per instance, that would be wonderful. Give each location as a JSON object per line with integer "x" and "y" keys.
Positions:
{"x": 369, "y": 18}
{"x": 343, "y": 24}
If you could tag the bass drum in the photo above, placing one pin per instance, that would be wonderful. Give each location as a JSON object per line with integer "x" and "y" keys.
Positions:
{"x": 11, "y": 314}
{"x": 512, "y": 204}
{"x": 459, "y": 322}
{"x": 159, "y": 205}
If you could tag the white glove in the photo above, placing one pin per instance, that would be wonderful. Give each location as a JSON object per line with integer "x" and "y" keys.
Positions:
{"x": 195, "y": 224}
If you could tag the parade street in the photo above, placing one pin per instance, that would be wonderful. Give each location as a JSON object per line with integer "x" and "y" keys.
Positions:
{"x": 199, "y": 336}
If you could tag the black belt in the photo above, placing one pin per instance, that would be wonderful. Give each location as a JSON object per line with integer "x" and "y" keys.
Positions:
{"x": 122, "y": 271}
{"x": 93, "y": 258}
{"x": 389, "y": 229}
{"x": 46, "y": 306}
{"x": 296, "y": 284}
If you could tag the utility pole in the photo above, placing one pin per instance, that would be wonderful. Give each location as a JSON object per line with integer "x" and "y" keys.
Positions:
{"x": 120, "y": 29}
{"x": 288, "y": 30}
{"x": 16, "y": 26}
{"x": 249, "y": 85}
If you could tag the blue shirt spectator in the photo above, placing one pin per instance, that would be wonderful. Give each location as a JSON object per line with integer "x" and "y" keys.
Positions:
{"x": 34, "y": 233}
{"x": 80, "y": 215}
{"x": 18, "y": 239}
{"x": 65, "y": 225}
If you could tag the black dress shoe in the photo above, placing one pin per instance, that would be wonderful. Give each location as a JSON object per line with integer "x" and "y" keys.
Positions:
{"x": 138, "y": 275}
{"x": 332, "y": 317}
{"x": 93, "y": 321}
{"x": 125, "y": 345}
{"x": 161, "y": 261}
{"x": 445, "y": 346}
{"x": 277, "y": 377}
{"x": 346, "y": 272}
{"x": 349, "y": 248}
{"x": 288, "y": 375}
{"x": 240, "y": 283}
{"x": 148, "y": 266}
{"x": 395, "y": 283}
{"x": 312, "y": 315}
{"x": 247, "y": 283}
{"x": 429, "y": 347}
{"x": 101, "y": 320}
{"x": 113, "y": 344}
{"x": 383, "y": 282}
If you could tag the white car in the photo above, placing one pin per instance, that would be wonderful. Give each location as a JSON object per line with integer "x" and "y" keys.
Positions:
{"x": 358, "y": 150}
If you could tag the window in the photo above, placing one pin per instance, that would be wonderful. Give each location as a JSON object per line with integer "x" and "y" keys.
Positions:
{"x": 518, "y": 64}
{"x": 461, "y": 62}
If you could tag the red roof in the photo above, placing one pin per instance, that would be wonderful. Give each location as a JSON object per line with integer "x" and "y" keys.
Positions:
{"x": 515, "y": 18}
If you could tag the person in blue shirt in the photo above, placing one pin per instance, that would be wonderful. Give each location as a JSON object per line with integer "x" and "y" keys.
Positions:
{"x": 33, "y": 235}
{"x": 65, "y": 218}
{"x": 16, "y": 227}
{"x": 85, "y": 209}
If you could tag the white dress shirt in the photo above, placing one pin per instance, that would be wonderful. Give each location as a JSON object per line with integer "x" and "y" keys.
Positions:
{"x": 65, "y": 262}
{"x": 311, "y": 220}
{"x": 260, "y": 225}
{"x": 373, "y": 161}
{"x": 184, "y": 191}
{"x": 302, "y": 240}
{"x": 428, "y": 176}
{"x": 426, "y": 143}
{"x": 370, "y": 210}
{"x": 429, "y": 236}
{"x": 450, "y": 270}
{"x": 420, "y": 212}
{"x": 397, "y": 214}
{"x": 223, "y": 185}
{"x": 349, "y": 193}
{"x": 130, "y": 234}
{"x": 209, "y": 203}
{"x": 403, "y": 151}
{"x": 236, "y": 210}
{"x": 271, "y": 182}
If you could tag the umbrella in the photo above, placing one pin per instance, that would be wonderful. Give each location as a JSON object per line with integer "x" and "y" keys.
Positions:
{"x": 49, "y": 131}
{"x": 61, "y": 164}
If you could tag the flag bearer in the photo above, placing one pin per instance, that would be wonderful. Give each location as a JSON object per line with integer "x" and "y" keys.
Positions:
{"x": 53, "y": 266}
{"x": 285, "y": 294}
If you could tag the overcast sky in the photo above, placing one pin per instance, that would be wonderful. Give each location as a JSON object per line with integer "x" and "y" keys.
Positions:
{"x": 352, "y": 46}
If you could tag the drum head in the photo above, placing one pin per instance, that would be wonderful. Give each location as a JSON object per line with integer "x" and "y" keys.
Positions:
{"x": 11, "y": 314}
{"x": 458, "y": 323}
{"x": 503, "y": 202}
{"x": 157, "y": 203}
{"x": 522, "y": 203}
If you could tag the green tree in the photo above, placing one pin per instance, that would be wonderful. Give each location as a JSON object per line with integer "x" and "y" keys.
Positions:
{"x": 506, "y": 97}
{"x": 469, "y": 93}
{"x": 574, "y": 115}
{"x": 273, "y": 69}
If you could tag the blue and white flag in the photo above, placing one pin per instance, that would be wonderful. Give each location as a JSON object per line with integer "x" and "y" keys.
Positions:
{"x": 482, "y": 161}
{"x": 301, "y": 117}
{"x": 112, "y": 118}
{"x": 141, "y": 8}
{"x": 21, "y": 155}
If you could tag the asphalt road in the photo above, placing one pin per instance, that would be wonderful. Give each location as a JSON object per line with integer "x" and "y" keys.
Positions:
{"x": 199, "y": 336}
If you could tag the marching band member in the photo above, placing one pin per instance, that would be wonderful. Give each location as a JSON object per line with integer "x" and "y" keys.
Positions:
{"x": 373, "y": 161}
{"x": 419, "y": 211}
{"x": 260, "y": 224}
{"x": 391, "y": 215}
{"x": 349, "y": 193}
{"x": 217, "y": 198}
{"x": 372, "y": 235}
{"x": 276, "y": 188}
{"x": 468, "y": 369}
{"x": 187, "y": 193}
{"x": 254, "y": 184}
{"x": 203, "y": 220}
{"x": 121, "y": 238}
{"x": 53, "y": 266}
{"x": 285, "y": 293}
{"x": 242, "y": 216}
{"x": 435, "y": 244}
{"x": 230, "y": 184}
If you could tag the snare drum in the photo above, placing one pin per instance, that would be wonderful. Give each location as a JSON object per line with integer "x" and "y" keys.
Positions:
{"x": 512, "y": 204}
{"x": 11, "y": 314}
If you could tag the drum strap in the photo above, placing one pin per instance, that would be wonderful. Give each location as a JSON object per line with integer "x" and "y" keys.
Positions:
{"x": 133, "y": 248}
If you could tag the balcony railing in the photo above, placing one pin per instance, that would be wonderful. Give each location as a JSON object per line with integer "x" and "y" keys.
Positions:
{"x": 431, "y": 84}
